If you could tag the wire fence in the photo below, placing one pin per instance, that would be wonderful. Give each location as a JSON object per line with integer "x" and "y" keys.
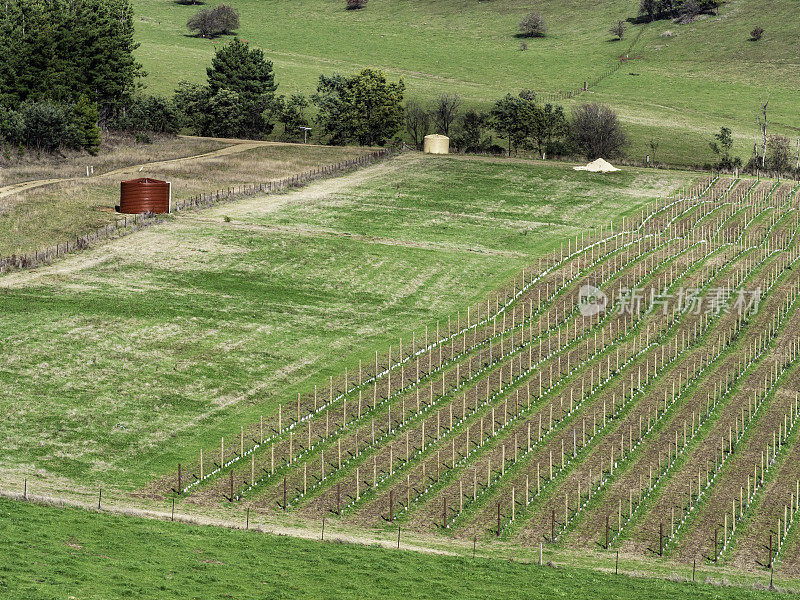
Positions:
{"x": 594, "y": 82}
{"x": 130, "y": 223}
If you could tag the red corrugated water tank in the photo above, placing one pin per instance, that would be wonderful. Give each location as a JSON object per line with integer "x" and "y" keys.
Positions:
{"x": 144, "y": 196}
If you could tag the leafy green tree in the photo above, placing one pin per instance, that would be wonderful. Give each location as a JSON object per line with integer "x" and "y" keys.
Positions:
{"x": 779, "y": 155}
{"x": 377, "y": 107}
{"x": 511, "y": 117}
{"x": 225, "y": 115}
{"x": 722, "y": 144}
{"x": 364, "y": 107}
{"x": 292, "y": 115}
{"x": 333, "y": 108}
{"x": 190, "y": 101}
{"x": 470, "y": 137}
{"x": 548, "y": 124}
{"x": 648, "y": 9}
{"x": 85, "y": 116}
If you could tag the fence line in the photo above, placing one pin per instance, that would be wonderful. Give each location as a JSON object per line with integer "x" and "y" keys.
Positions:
{"x": 565, "y": 95}
{"x": 131, "y": 223}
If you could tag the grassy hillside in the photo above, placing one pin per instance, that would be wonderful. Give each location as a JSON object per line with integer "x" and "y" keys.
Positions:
{"x": 57, "y": 553}
{"x": 151, "y": 347}
{"x": 679, "y": 90}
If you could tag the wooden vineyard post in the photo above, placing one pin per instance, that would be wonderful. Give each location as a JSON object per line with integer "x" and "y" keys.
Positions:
{"x": 769, "y": 562}
{"x": 338, "y": 498}
{"x": 398, "y": 537}
{"x": 231, "y": 498}
{"x": 661, "y": 539}
{"x": 179, "y": 478}
{"x": 553, "y": 526}
{"x": 444, "y": 512}
{"x": 391, "y": 505}
{"x": 284, "y": 492}
{"x": 716, "y": 530}
{"x": 608, "y": 518}
{"x": 498, "y": 519}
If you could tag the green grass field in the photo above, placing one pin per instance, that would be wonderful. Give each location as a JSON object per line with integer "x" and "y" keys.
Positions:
{"x": 150, "y": 347}
{"x": 678, "y": 90}
{"x": 58, "y": 553}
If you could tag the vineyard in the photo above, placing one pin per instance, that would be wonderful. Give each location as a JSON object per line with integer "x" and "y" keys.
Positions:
{"x": 634, "y": 390}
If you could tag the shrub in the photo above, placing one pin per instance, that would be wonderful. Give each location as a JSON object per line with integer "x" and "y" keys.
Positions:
{"x": 48, "y": 126}
{"x": 356, "y": 4}
{"x": 149, "y": 113}
{"x": 12, "y": 126}
{"x": 596, "y": 131}
{"x": 211, "y": 22}
{"x": 618, "y": 29}
{"x": 757, "y": 33}
{"x": 532, "y": 25}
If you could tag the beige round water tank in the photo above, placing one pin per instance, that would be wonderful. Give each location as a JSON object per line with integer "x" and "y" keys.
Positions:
{"x": 436, "y": 144}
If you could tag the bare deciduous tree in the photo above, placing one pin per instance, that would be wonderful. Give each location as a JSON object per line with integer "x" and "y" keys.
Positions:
{"x": 445, "y": 112}
{"x": 618, "y": 29}
{"x": 211, "y": 22}
{"x": 418, "y": 122}
{"x": 596, "y": 131}
{"x": 532, "y": 25}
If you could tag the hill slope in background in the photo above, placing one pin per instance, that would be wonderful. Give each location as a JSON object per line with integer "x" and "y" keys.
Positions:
{"x": 677, "y": 90}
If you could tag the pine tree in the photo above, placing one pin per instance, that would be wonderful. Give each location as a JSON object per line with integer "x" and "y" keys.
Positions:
{"x": 86, "y": 115}
{"x": 237, "y": 68}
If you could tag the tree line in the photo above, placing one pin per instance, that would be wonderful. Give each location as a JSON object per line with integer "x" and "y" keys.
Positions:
{"x": 240, "y": 99}
{"x": 63, "y": 65}
{"x": 67, "y": 68}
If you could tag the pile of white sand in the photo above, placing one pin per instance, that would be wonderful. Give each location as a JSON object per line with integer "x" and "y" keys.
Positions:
{"x": 598, "y": 166}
